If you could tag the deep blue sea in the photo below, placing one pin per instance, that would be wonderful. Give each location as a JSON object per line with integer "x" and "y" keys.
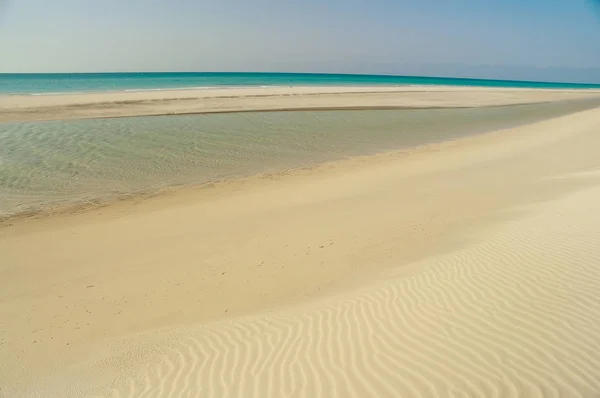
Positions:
{"x": 47, "y": 83}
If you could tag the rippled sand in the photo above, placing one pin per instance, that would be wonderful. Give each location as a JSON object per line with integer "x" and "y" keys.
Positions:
{"x": 516, "y": 315}
{"x": 463, "y": 268}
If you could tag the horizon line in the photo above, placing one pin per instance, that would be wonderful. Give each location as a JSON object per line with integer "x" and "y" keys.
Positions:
{"x": 305, "y": 73}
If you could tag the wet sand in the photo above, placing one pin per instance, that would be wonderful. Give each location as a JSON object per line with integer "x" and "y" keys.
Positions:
{"x": 15, "y": 108}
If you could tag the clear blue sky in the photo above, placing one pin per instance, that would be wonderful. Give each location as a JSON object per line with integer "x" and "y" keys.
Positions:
{"x": 521, "y": 39}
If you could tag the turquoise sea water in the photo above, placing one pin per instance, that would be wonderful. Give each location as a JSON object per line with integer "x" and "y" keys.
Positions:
{"x": 58, "y": 164}
{"x": 86, "y": 82}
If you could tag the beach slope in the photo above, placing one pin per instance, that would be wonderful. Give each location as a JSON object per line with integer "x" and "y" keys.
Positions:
{"x": 466, "y": 268}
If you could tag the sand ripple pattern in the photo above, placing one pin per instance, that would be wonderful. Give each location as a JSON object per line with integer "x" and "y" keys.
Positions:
{"x": 512, "y": 316}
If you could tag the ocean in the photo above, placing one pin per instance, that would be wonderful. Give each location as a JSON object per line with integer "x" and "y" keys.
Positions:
{"x": 48, "y": 166}
{"x": 98, "y": 82}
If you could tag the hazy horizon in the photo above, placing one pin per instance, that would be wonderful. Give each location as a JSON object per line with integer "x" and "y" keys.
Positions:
{"x": 478, "y": 39}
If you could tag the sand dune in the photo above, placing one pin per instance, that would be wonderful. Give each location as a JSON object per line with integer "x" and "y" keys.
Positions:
{"x": 462, "y": 269}
{"x": 14, "y": 108}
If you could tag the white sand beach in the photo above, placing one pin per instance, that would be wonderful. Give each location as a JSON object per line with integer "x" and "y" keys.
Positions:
{"x": 465, "y": 268}
{"x": 15, "y": 108}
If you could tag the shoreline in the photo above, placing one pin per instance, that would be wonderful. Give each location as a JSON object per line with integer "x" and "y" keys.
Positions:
{"x": 53, "y": 208}
{"x": 279, "y": 86}
{"x": 209, "y": 188}
{"x": 83, "y": 309}
{"x": 23, "y": 108}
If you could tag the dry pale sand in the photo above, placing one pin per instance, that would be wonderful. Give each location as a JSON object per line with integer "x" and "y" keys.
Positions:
{"x": 468, "y": 268}
{"x": 15, "y": 108}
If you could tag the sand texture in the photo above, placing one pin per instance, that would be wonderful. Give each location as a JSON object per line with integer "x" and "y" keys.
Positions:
{"x": 468, "y": 268}
{"x": 15, "y": 108}
{"x": 514, "y": 316}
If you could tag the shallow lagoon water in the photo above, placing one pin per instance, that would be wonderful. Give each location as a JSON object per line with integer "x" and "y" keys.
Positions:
{"x": 48, "y": 165}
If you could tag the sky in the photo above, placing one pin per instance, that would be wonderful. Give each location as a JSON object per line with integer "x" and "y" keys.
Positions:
{"x": 556, "y": 40}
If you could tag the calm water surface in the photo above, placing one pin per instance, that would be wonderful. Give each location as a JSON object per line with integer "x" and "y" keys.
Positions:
{"x": 46, "y": 83}
{"x": 63, "y": 163}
